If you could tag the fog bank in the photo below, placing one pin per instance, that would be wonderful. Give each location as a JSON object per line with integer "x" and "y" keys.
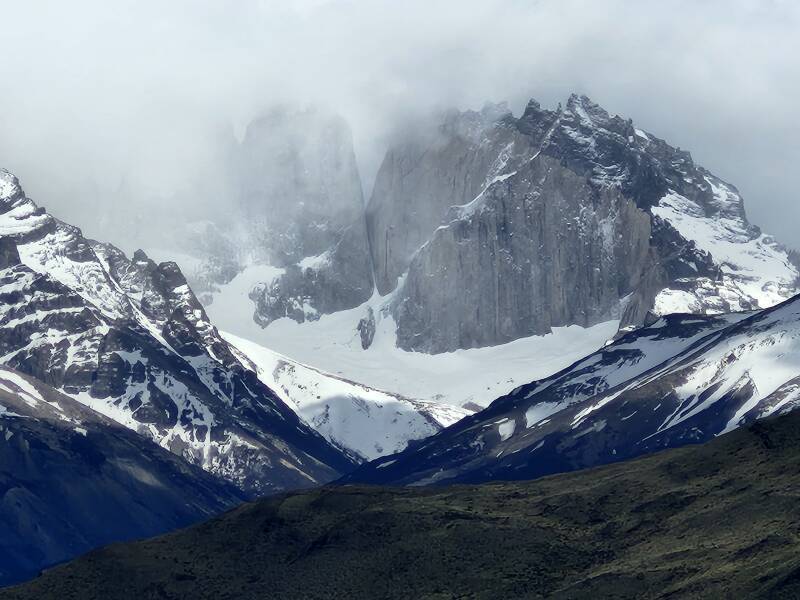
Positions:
{"x": 131, "y": 104}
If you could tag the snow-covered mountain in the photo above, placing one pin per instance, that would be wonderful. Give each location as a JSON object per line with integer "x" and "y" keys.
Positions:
{"x": 129, "y": 339}
{"x": 73, "y": 480}
{"x": 366, "y": 422}
{"x": 683, "y": 379}
{"x": 502, "y": 247}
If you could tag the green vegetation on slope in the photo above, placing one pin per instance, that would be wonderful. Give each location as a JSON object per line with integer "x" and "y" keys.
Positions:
{"x": 713, "y": 521}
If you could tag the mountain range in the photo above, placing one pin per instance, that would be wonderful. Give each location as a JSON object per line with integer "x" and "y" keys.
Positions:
{"x": 481, "y": 229}
{"x": 128, "y": 338}
{"x": 520, "y": 297}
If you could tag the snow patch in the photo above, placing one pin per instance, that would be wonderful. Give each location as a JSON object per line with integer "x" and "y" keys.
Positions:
{"x": 506, "y": 429}
{"x": 754, "y": 267}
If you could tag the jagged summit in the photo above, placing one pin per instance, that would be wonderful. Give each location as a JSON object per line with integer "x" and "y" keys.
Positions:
{"x": 584, "y": 106}
{"x": 9, "y": 185}
{"x": 472, "y": 124}
{"x": 484, "y": 228}
{"x": 130, "y": 340}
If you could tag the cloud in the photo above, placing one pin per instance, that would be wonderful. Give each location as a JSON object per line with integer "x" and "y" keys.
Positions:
{"x": 100, "y": 96}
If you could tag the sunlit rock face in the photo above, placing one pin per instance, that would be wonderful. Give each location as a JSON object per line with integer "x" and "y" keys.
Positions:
{"x": 487, "y": 228}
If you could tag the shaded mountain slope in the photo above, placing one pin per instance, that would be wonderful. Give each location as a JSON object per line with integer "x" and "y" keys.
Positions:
{"x": 710, "y": 521}
{"x": 72, "y": 480}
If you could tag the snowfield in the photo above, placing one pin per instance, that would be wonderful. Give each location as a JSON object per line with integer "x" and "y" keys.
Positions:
{"x": 467, "y": 378}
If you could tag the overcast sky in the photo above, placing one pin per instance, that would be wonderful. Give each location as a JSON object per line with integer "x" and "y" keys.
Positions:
{"x": 97, "y": 93}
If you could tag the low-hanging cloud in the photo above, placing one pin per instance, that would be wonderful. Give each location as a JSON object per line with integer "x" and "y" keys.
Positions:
{"x": 117, "y": 101}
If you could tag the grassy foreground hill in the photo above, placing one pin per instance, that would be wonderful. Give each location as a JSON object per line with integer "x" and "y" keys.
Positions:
{"x": 712, "y": 521}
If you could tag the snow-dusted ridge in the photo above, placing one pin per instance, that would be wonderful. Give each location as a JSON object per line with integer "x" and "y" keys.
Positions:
{"x": 129, "y": 339}
{"x": 684, "y": 379}
{"x": 756, "y": 272}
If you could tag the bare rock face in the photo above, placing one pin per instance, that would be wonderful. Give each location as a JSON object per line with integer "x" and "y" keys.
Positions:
{"x": 423, "y": 176}
{"x": 299, "y": 181}
{"x": 9, "y": 256}
{"x": 366, "y": 328}
{"x": 539, "y": 259}
{"x": 301, "y": 197}
{"x": 495, "y": 227}
{"x": 337, "y": 279}
{"x": 129, "y": 339}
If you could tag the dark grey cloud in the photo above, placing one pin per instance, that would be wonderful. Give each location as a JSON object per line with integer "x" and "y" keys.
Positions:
{"x": 118, "y": 101}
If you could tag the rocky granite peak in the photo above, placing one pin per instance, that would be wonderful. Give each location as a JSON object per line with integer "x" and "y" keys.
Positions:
{"x": 507, "y": 228}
